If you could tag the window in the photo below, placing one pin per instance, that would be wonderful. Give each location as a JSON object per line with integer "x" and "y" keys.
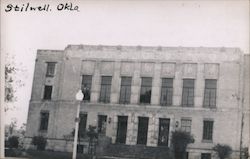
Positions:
{"x": 105, "y": 89}
{"x": 163, "y": 132}
{"x": 44, "y": 121}
{"x": 186, "y": 125}
{"x": 102, "y": 124}
{"x": 146, "y": 86}
{"x": 47, "y": 92}
{"x": 206, "y": 156}
{"x": 210, "y": 93}
{"x": 125, "y": 91}
{"x": 188, "y": 93}
{"x": 82, "y": 125}
{"x": 86, "y": 86}
{"x": 142, "y": 134}
{"x": 207, "y": 130}
{"x": 166, "y": 91}
{"x": 50, "y": 69}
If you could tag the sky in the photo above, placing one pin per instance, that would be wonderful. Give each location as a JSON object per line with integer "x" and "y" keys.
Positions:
{"x": 206, "y": 23}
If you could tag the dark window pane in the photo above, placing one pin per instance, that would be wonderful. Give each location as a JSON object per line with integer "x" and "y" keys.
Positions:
{"x": 125, "y": 91}
{"x": 105, "y": 89}
{"x": 207, "y": 130}
{"x": 102, "y": 124}
{"x": 210, "y": 93}
{"x": 50, "y": 69}
{"x": 47, "y": 92}
{"x": 44, "y": 121}
{"x": 142, "y": 134}
{"x": 86, "y": 86}
{"x": 205, "y": 156}
{"x": 188, "y": 93}
{"x": 146, "y": 86}
{"x": 82, "y": 125}
{"x": 166, "y": 91}
{"x": 163, "y": 132}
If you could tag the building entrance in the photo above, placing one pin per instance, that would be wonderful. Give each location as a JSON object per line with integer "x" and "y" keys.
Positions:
{"x": 122, "y": 129}
{"x": 163, "y": 132}
{"x": 142, "y": 131}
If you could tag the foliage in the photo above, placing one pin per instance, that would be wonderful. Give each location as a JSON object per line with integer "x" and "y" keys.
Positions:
{"x": 223, "y": 151}
{"x": 180, "y": 140}
{"x": 91, "y": 133}
{"x": 40, "y": 142}
{"x": 12, "y": 80}
{"x": 13, "y": 142}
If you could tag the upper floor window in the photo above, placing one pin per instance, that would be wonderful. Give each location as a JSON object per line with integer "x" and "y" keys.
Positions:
{"x": 186, "y": 125}
{"x": 105, "y": 89}
{"x": 44, "y": 121}
{"x": 166, "y": 91}
{"x": 188, "y": 93}
{"x": 207, "y": 130}
{"x": 210, "y": 93}
{"x": 47, "y": 92}
{"x": 86, "y": 86}
{"x": 146, "y": 89}
{"x": 125, "y": 91}
{"x": 50, "y": 69}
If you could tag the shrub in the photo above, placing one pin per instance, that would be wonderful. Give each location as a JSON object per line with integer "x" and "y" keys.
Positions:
{"x": 13, "y": 142}
{"x": 40, "y": 142}
{"x": 180, "y": 140}
{"x": 223, "y": 151}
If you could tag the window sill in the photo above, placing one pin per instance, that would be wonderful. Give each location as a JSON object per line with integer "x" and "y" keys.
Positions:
{"x": 207, "y": 141}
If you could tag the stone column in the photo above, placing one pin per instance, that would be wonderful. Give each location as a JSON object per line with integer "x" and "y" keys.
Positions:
{"x": 95, "y": 90}
{"x": 2, "y": 75}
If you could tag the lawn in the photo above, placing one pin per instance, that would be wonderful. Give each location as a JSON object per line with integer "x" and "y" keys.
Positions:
{"x": 34, "y": 154}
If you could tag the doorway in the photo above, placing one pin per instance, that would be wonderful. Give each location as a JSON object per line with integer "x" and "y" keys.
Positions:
{"x": 163, "y": 132}
{"x": 142, "y": 131}
{"x": 122, "y": 129}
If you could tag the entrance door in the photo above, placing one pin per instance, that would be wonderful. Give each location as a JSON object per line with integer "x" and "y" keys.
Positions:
{"x": 142, "y": 131}
{"x": 163, "y": 132}
{"x": 122, "y": 129}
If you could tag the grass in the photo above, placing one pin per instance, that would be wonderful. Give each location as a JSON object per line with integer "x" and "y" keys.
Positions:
{"x": 34, "y": 154}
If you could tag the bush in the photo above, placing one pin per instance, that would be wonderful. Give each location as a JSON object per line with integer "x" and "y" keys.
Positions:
{"x": 40, "y": 142}
{"x": 223, "y": 151}
{"x": 180, "y": 140}
{"x": 13, "y": 142}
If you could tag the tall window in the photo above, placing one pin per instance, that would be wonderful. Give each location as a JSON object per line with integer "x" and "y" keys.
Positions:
{"x": 82, "y": 125}
{"x": 210, "y": 93}
{"x": 50, "y": 69}
{"x": 167, "y": 91}
{"x": 47, "y": 92}
{"x": 186, "y": 125}
{"x": 86, "y": 86}
{"x": 208, "y": 130}
{"x": 102, "y": 124}
{"x": 125, "y": 91}
{"x": 44, "y": 121}
{"x": 146, "y": 88}
{"x": 188, "y": 93}
{"x": 105, "y": 89}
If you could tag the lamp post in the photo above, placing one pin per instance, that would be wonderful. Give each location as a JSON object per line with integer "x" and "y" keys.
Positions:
{"x": 79, "y": 97}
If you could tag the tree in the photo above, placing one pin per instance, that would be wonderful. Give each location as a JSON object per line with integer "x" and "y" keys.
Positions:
{"x": 12, "y": 82}
{"x": 93, "y": 135}
{"x": 13, "y": 142}
{"x": 223, "y": 151}
{"x": 180, "y": 140}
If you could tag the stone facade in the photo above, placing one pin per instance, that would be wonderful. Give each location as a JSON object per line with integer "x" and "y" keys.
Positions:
{"x": 228, "y": 66}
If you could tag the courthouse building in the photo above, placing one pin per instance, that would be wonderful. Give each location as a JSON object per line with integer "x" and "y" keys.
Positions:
{"x": 138, "y": 95}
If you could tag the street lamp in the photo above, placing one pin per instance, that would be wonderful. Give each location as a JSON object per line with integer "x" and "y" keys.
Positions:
{"x": 79, "y": 97}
